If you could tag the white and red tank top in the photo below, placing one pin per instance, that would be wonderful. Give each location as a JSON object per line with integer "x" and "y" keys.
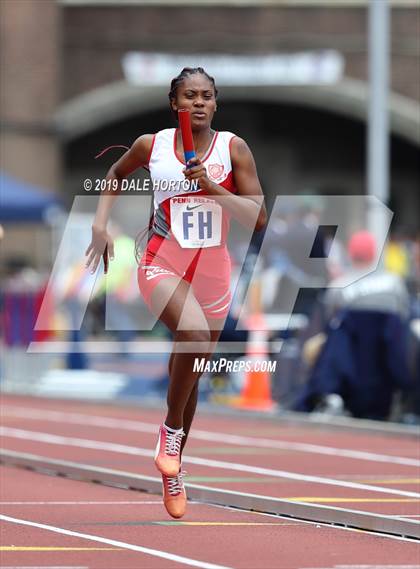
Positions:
{"x": 181, "y": 211}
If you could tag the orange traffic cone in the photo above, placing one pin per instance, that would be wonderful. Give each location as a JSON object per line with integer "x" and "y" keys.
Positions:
{"x": 256, "y": 394}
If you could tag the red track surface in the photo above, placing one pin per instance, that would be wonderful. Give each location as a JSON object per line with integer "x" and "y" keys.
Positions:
{"x": 287, "y": 546}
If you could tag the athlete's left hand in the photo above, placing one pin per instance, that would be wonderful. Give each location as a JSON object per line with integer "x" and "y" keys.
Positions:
{"x": 197, "y": 171}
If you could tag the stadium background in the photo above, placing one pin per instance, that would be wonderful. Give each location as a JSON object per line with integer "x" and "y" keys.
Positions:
{"x": 63, "y": 83}
{"x": 64, "y": 97}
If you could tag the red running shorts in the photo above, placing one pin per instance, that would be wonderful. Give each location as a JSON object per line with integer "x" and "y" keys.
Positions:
{"x": 207, "y": 270}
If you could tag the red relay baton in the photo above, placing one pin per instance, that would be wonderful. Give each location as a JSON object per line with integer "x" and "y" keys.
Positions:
{"x": 184, "y": 119}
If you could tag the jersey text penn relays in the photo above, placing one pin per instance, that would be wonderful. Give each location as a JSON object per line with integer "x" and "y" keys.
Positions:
{"x": 180, "y": 211}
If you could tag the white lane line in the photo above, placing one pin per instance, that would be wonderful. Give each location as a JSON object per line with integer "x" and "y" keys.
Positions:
{"x": 121, "y": 544}
{"x": 328, "y": 526}
{"x": 124, "y": 449}
{"x": 111, "y": 423}
{"x": 365, "y": 567}
{"x": 397, "y": 516}
{"x": 82, "y": 503}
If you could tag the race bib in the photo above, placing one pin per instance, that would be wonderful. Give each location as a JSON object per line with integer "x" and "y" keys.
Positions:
{"x": 196, "y": 221}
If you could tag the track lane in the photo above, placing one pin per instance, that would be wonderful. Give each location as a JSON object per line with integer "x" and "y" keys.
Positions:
{"x": 231, "y": 466}
{"x": 363, "y": 500}
{"x": 252, "y": 428}
{"x": 213, "y": 436}
{"x": 244, "y": 540}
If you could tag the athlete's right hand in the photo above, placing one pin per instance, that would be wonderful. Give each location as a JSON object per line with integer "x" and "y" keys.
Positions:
{"x": 102, "y": 244}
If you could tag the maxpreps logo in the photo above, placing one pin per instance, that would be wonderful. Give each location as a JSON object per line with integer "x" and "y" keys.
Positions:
{"x": 216, "y": 171}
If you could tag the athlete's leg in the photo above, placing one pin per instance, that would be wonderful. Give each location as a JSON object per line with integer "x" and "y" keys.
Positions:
{"x": 211, "y": 286}
{"x": 172, "y": 300}
{"x": 191, "y": 405}
{"x": 175, "y": 305}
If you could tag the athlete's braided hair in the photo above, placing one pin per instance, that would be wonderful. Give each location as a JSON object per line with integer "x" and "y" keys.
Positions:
{"x": 186, "y": 72}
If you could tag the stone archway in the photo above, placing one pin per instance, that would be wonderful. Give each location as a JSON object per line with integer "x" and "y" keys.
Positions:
{"x": 120, "y": 100}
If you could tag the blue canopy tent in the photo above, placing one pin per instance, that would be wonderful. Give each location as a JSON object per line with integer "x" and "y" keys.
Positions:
{"x": 22, "y": 202}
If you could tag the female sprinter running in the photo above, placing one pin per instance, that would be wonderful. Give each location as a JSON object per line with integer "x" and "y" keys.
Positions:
{"x": 184, "y": 273}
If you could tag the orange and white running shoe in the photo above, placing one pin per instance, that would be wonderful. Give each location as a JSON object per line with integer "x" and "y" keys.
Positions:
{"x": 174, "y": 495}
{"x": 168, "y": 450}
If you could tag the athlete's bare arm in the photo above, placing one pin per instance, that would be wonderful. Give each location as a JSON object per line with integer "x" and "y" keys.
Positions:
{"x": 246, "y": 178}
{"x": 246, "y": 181}
{"x": 136, "y": 157}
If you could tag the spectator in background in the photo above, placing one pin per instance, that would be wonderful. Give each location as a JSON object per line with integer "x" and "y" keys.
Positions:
{"x": 416, "y": 256}
{"x": 286, "y": 254}
{"x": 337, "y": 260}
{"x": 363, "y": 360}
{"x": 396, "y": 256}
{"x": 21, "y": 295}
{"x": 381, "y": 290}
{"x": 119, "y": 290}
